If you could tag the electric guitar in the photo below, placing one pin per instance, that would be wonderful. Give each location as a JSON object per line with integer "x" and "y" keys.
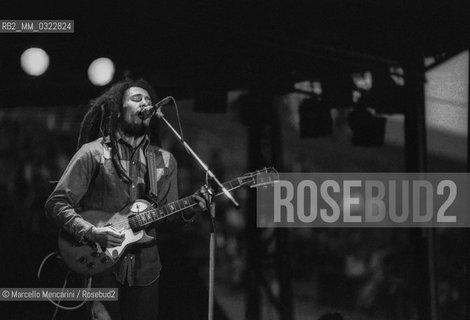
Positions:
{"x": 90, "y": 259}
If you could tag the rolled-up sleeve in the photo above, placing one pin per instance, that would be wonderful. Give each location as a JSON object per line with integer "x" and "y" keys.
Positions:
{"x": 62, "y": 203}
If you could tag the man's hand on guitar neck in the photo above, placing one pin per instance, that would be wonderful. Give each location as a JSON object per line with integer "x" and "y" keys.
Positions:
{"x": 105, "y": 236}
{"x": 203, "y": 198}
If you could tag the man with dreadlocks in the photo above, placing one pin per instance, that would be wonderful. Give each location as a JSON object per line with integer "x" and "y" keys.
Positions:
{"x": 108, "y": 172}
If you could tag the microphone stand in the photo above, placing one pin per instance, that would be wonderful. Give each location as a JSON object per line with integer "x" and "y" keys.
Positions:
{"x": 210, "y": 312}
{"x": 212, "y": 176}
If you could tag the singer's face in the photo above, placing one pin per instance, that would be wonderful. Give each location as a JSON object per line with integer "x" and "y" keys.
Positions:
{"x": 134, "y": 99}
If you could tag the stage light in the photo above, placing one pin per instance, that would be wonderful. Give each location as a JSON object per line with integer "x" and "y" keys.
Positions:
{"x": 311, "y": 87}
{"x": 386, "y": 94}
{"x": 315, "y": 118}
{"x": 34, "y": 61}
{"x": 363, "y": 80}
{"x": 368, "y": 129}
{"x": 101, "y": 71}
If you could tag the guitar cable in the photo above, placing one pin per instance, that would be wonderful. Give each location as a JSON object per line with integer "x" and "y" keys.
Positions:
{"x": 57, "y": 304}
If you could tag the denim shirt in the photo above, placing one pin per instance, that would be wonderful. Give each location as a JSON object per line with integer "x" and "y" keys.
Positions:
{"x": 91, "y": 182}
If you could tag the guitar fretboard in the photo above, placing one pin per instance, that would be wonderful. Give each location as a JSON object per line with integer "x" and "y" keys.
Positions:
{"x": 147, "y": 217}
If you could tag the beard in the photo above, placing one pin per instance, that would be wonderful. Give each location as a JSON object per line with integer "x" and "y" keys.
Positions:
{"x": 133, "y": 129}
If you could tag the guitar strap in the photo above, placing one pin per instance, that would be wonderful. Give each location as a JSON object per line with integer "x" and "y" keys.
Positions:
{"x": 152, "y": 170}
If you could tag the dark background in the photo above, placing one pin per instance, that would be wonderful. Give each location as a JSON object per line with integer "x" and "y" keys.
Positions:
{"x": 198, "y": 51}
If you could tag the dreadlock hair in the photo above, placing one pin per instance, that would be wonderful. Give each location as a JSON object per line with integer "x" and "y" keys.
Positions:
{"x": 101, "y": 119}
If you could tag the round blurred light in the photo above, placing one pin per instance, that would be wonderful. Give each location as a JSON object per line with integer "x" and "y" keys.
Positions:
{"x": 101, "y": 71}
{"x": 34, "y": 61}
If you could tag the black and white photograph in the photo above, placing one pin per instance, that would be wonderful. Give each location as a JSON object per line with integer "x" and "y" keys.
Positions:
{"x": 235, "y": 160}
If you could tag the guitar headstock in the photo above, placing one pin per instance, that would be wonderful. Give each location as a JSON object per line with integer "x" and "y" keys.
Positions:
{"x": 259, "y": 178}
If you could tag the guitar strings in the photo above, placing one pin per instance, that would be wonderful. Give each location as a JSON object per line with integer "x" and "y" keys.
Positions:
{"x": 124, "y": 223}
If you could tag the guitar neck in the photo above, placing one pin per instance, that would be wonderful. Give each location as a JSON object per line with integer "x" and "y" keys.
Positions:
{"x": 147, "y": 217}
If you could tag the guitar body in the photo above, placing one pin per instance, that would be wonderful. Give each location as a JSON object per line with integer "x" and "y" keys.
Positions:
{"x": 90, "y": 258}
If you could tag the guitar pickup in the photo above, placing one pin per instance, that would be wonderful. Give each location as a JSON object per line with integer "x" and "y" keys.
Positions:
{"x": 134, "y": 223}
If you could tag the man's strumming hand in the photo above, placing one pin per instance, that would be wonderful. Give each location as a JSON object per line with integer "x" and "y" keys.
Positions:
{"x": 105, "y": 236}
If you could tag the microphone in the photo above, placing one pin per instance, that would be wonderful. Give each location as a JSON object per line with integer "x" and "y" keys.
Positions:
{"x": 149, "y": 111}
